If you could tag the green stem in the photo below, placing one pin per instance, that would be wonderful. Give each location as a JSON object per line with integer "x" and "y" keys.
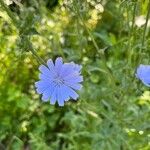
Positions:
{"x": 40, "y": 60}
{"x": 147, "y": 17}
{"x": 133, "y": 19}
{"x": 131, "y": 33}
{"x": 102, "y": 55}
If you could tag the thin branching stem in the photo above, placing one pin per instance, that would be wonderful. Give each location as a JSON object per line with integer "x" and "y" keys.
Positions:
{"x": 109, "y": 72}
{"x": 39, "y": 59}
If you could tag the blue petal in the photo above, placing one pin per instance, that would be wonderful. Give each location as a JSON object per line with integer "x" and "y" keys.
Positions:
{"x": 64, "y": 93}
{"x": 58, "y": 64}
{"x": 70, "y": 69}
{"x": 75, "y": 86}
{"x": 70, "y": 92}
{"x": 44, "y": 70}
{"x": 74, "y": 79}
{"x": 41, "y": 86}
{"x": 60, "y": 97}
{"x": 146, "y": 80}
{"x": 45, "y": 97}
{"x": 67, "y": 69}
{"x": 77, "y": 67}
{"x": 143, "y": 73}
{"x": 51, "y": 66}
{"x": 53, "y": 96}
{"x": 48, "y": 92}
{"x": 45, "y": 78}
{"x": 71, "y": 75}
{"x": 147, "y": 83}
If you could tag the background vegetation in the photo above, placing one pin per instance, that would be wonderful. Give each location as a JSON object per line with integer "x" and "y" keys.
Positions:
{"x": 110, "y": 39}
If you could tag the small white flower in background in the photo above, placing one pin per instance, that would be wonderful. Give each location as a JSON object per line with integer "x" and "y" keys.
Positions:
{"x": 8, "y": 2}
{"x": 140, "y": 21}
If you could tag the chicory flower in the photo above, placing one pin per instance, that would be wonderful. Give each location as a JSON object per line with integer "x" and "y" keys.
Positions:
{"x": 143, "y": 73}
{"x": 59, "y": 81}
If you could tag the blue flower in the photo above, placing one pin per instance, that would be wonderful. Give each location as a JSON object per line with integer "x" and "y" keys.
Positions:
{"x": 143, "y": 73}
{"x": 59, "y": 81}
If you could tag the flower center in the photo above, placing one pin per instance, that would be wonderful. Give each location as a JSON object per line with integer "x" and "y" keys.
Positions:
{"x": 58, "y": 80}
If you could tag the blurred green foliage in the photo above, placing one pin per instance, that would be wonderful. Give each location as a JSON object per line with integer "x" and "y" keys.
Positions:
{"x": 110, "y": 39}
